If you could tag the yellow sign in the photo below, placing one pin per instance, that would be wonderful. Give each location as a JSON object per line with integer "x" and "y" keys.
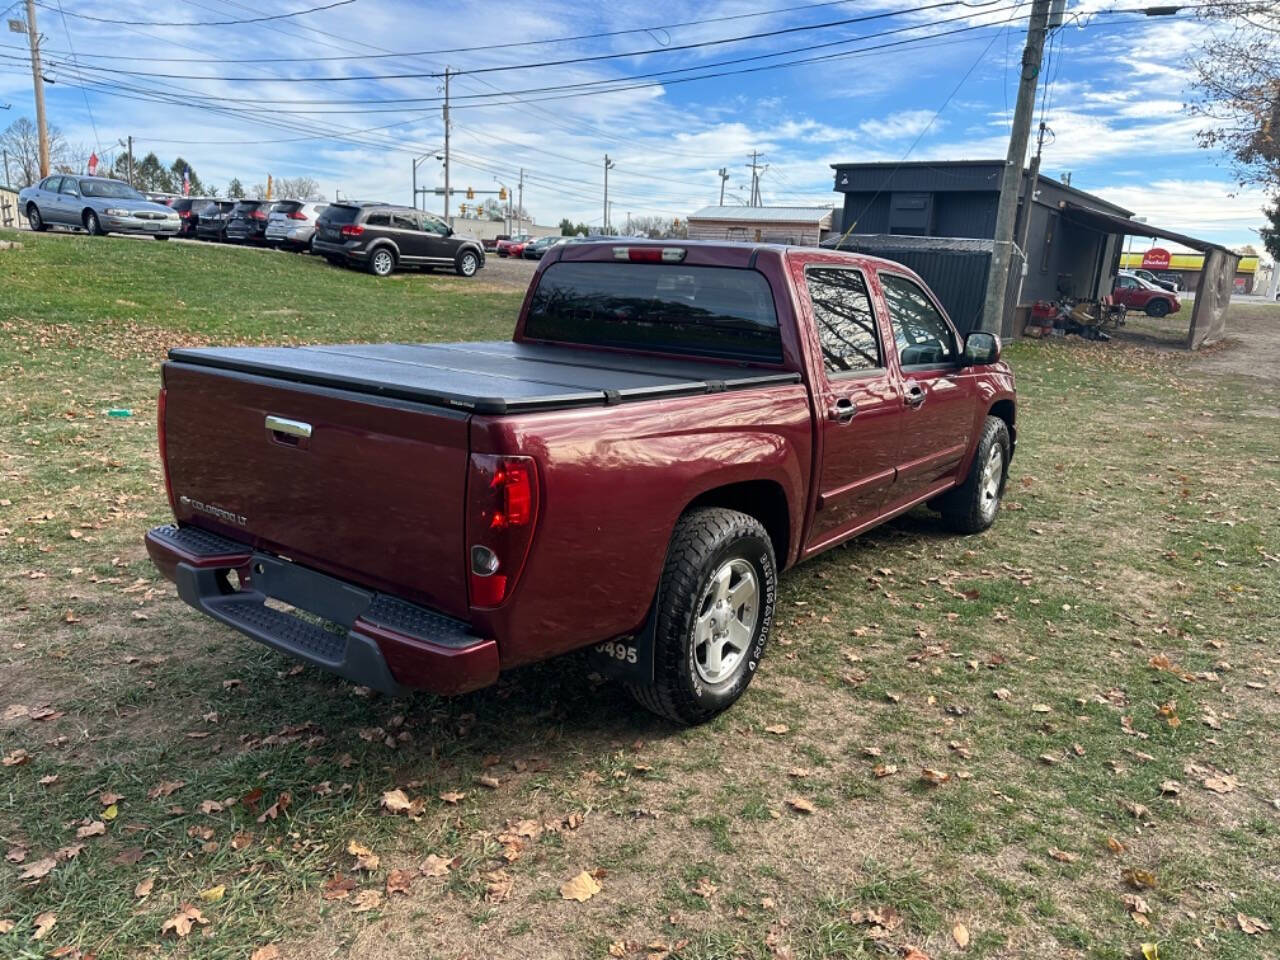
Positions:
{"x": 1185, "y": 261}
{"x": 268, "y": 186}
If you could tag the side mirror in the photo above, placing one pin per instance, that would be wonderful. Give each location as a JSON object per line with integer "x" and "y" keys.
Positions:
{"x": 981, "y": 348}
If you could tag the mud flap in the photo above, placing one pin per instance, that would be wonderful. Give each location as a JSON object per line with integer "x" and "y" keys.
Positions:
{"x": 627, "y": 658}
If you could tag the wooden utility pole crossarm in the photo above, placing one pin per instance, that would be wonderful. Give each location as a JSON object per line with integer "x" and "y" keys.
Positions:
{"x": 37, "y": 78}
{"x": 1011, "y": 179}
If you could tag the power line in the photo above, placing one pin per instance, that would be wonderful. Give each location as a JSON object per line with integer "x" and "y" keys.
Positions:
{"x": 573, "y": 61}
{"x": 201, "y": 23}
{"x": 72, "y": 47}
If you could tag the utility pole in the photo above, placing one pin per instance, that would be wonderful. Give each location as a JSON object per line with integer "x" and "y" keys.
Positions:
{"x": 628, "y": 223}
{"x": 37, "y": 78}
{"x": 756, "y": 170}
{"x": 1007, "y": 211}
{"x": 1033, "y": 184}
{"x": 607, "y": 164}
{"x": 724, "y": 175}
{"x": 6, "y": 168}
{"x": 520, "y": 204}
{"x": 131, "y": 160}
{"x": 446, "y": 144}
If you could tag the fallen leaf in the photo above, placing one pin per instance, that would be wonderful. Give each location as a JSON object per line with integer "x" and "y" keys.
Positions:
{"x": 1136, "y": 904}
{"x": 960, "y": 934}
{"x": 16, "y": 758}
{"x": 800, "y": 805}
{"x": 497, "y": 886}
{"x": 338, "y": 887}
{"x": 366, "y": 859}
{"x": 16, "y": 854}
{"x": 581, "y": 888}
{"x": 883, "y": 770}
{"x": 44, "y": 923}
{"x": 143, "y": 889}
{"x": 269, "y": 952}
{"x": 777, "y": 728}
{"x": 111, "y": 812}
{"x": 6, "y": 926}
{"x": 1223, "y": 783}
{"x": 367, "y": 900}
{"x": 434, "y": 866}
{"x": 94, "y": 828}
{"x": 1150, "y": 951}
{"x": 48, "y": 780}
{"x": 1139, "y": 879}
{"x": 399, "y": 881}
{"x": 1001, "y": 694}
{"x": 929, "y": 775}
{"x": 485, "y": 780}
{"x": 704, "y": 888}
{"x": 1252, "y": 925}
{"x": 182, "y": 922}
{"x": 128, "y": 856}
{"x": 1062, "y": 856}
{"x": 208, "y": 807}
{"x": 38, "y": 870}
{"x": 164, "y": 788}
{"x": 396, "y": 801}
{"x": 1041, "y": 708}
{"x": 283, "y": 801}
{"x": 241, "y": 840}
{"x": 452, "y": 797}
{"x": 109, "y": 799}
{"x": 1114, "y": 845}
{"x": 213, "y": 894}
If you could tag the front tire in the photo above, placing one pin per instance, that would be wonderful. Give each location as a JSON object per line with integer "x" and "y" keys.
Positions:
{"x": 1158, "y": 308}
{"x": 715, "y": 610}
{"x": 382, "y": 262}
{"x": 972, "y": 506}
{"x": 92, "y": 225}
{"x": 468, "y": 263}
{"x": 35, "y": 220}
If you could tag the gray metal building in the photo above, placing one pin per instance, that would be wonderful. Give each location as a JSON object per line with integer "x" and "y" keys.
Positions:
{"x": 939, "y": 217}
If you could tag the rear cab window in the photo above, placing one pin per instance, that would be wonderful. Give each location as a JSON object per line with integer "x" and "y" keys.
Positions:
{"x": 845, "y": 320}
{"x": 722, "y": 312}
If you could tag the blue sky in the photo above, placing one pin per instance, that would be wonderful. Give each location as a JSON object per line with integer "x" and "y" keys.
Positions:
{"x": 1117, "y": 85}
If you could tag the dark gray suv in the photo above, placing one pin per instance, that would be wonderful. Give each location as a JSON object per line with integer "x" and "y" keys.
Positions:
{"x": 381, "y": 237}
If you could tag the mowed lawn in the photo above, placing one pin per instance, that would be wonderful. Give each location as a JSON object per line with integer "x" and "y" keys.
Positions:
{"x": 1057, "y": 739}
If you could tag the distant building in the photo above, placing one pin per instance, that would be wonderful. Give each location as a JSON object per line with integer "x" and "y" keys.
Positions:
{"x": 800, "y": 226}
{"x": 1185, "y": 268}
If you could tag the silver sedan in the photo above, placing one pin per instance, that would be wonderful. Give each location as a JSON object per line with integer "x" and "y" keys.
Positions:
{"x": 98, "y": 205}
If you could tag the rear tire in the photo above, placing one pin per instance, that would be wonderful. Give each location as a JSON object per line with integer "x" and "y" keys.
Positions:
{"x": 34, "y": 220}
{"x": 1158, "y": 308}
{"x": 972, "y": 507}
{"x": 382, "y": 262}
{"x": 468, "y": 263}
{"x": 715, "y": 610}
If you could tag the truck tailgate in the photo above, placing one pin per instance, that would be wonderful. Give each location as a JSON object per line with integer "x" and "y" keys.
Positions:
{"x": 369, "y": 489}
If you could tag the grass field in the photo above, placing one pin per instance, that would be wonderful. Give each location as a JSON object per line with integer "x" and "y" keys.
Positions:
{"x": 1056, "y": 739}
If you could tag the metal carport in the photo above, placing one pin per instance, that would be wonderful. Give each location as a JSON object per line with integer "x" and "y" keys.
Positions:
{"x": 1209, "y": 314}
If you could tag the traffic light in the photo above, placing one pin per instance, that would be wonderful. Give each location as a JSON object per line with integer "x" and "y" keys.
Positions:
{"x": 471, "y": 194}
{"x": 502, "y": 194}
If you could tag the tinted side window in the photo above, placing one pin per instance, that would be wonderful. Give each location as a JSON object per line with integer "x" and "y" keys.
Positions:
{"x": 403, "y": 221}
{"x": 434, "y": 225}
{"x": 69, "y": 186}
{"x": 846, "y": 324}
{"x": 921, "y": 334}
{"x": 378, "y": 220}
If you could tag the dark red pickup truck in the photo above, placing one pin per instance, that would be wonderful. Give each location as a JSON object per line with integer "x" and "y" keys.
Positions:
{"x": 670, "y": 426}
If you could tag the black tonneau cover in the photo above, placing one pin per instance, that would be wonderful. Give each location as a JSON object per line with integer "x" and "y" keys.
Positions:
{"x": 489, "y": 377}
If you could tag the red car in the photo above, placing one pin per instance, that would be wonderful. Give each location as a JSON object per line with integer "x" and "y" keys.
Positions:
{"x": 670, "y": 426}
{"x": 513, "y": 246}
{"x": 1139, "y": 294}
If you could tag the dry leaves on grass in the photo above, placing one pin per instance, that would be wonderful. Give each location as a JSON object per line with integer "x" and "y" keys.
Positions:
{"x": 498, "y": 884}
{"x": 397, "y": 801}
{"x": 580, "y": 888}
{"x": 269, "y": 952}
{"x": 16, "y": 758}
{"x": 777, "y": 729}
{"x": 38, "y": 870}
{"x": 16, "y": 854}
{"x": 1138, "y": 909}
{"x": 435, "y": 866}
{"x": 338, "y": 888}
{"x": 366, "y": 859}
{"x": 801, "y": 805}
{"x": 1222, "y": 783}
{"x": 94, "y": 828}
{"x": 935, "y": 777}
{"x": 164, "y": 788}
{"x": 399, "y": 881}
{"x": 1252, "y": 925}
{"x": 7, "y": 926}
{"x": 960, "y": 934}
{"x": 1138, "y": 878}
{"x": 182, "y": 922}
{"x": 143, "y": 889}
{"x": 283, "y": 801}
{"x": 44, "y": 923}
{"x": 367, "y": 900}
{"x": 452, "y": 797}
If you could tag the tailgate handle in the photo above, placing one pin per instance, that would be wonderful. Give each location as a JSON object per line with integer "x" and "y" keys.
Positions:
{"x": 291, "y": 428}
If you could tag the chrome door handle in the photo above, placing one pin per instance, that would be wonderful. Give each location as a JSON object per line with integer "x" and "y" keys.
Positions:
{"x": 292, "y": 428}
{"x": 843, "y": 410}
{"x": 915, "y": 395}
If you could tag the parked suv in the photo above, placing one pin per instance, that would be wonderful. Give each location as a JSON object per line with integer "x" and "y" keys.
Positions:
{"x": 247, "y": 222}
{"x": 292, "y": 223}
{"x": 212, "y": 219}
{"x": 1138, "y": 294}
{"x": 381, "y": 237}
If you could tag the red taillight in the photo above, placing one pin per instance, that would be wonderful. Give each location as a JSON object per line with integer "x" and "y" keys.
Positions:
{"x": 353, "y": 230}
{"x": 297, "y": 215}
{"x": 162, "y": 400}
{"x": 185, "y": 214}
{"x": 257, "y": 215}
{"x": 502, "y": 494}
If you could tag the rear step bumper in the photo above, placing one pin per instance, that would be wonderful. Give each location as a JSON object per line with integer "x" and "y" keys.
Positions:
{"x": 370, "y": 638}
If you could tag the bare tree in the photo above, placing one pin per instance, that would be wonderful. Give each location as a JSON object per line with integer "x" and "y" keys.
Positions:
{"x": 298, "y": 188}
{"x": 1236, "y": 78}
{"x": 22, "y": 142}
